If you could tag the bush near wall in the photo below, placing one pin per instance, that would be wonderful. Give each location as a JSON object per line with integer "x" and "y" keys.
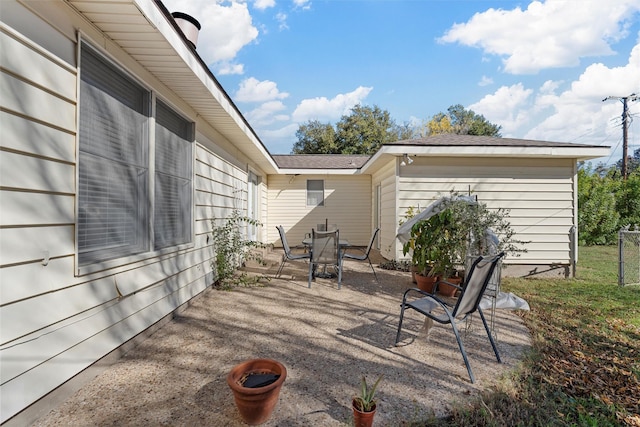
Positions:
{"x": 606, "y": 203}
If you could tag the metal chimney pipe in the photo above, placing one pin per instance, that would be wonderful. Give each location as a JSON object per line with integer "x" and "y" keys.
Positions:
{"x": 189, "y": 26}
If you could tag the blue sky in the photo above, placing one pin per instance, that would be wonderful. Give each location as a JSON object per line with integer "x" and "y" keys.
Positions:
{"x": 540, "y": 69}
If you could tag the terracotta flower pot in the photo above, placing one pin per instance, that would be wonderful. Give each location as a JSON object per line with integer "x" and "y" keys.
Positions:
{"x": 426, "y": 283}
{"x": 363, "y": 419}
{"x": 256, "y": 404}
{"x": 447, "y": 290}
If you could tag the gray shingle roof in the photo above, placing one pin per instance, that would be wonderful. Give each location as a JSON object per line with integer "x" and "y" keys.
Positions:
{"x": 475, "y": 140}
{"x": 355, "y": 161}
{"x": 320, "y": 161}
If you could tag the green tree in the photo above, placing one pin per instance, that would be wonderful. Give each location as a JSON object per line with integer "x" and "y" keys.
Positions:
{"x": 633, "y": 162}
{"x": 628, "y": 199}
{"x": 315, "y": 138}
{"x": 460, "y": 121}
{"x": 362, "y": 131}
{"x": 597, "y": 214}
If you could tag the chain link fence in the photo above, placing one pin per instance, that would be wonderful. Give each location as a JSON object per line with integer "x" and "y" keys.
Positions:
{"x": 628, "y": 256}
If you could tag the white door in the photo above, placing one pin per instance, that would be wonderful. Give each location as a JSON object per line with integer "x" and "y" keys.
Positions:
{"x": 253, "y": 204}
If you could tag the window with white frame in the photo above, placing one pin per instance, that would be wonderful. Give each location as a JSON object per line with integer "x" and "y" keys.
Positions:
{"x": 315, "y": 192}
{"x": 116, "y": 204}
{"x": 172, "y": 208}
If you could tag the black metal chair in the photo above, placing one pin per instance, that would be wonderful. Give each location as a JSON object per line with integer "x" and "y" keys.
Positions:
{"x": 468, "y": 302}
{"x": 325, "y": 250}
{"x": 288, "y": 255}
{"x": 365, "y": 256}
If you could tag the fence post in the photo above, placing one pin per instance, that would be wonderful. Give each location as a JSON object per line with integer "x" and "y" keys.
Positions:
{"x": 621, "y": 257}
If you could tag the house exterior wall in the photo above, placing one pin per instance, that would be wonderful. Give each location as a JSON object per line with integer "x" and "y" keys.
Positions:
{"x": 347, "y": 204}
{"x": 387, "y": 179}
{"x": 54, "y": 321}
{"x": 539, "y": 194}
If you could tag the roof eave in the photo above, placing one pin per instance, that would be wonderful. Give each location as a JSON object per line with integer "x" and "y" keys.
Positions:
{"x": 580, "y": 153}
{"x": 185, "y": 73}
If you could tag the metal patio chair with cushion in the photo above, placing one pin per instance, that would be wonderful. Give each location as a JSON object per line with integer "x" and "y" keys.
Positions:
{"x": 365, "y": 255}
{"x": 325, "y": 250}
{"x": 468, "y": 302}
{"x": 288, "y": 255}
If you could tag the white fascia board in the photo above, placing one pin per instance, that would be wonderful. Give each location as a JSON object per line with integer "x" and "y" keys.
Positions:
{"x": 318, "y": 171}
{"x": 157, "y": 19}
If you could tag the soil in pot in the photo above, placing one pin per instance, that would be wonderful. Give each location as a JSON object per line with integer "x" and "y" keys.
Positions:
{"x": 256, "y": 387}
{"x": 363, "y": 419}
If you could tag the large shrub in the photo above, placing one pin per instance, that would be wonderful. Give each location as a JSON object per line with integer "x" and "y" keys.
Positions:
{"x": 628, "y": 200}
{"x": 598, "y": 217}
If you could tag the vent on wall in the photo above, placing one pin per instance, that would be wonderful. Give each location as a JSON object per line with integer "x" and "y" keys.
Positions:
{"x": 189, "y": 26}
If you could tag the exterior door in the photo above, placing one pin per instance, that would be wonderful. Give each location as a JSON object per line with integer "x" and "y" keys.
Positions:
{"x": 253, "y": 204}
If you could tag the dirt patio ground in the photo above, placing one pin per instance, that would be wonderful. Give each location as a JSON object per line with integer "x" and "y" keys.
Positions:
{"x": 327, "y": 339}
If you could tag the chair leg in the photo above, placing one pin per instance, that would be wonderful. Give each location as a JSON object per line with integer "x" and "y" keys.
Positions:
{"x": 339, "y": 274}
{"x": 374, "y": 272}
{"x": 464, "y": 353}
{"x": 399, "y": 325}
{"x": 310, "y": 272}
{"x": 279, "y": 272}
{"x": 486, "y": 328}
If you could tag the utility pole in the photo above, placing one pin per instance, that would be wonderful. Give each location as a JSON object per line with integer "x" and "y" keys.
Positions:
{"x": 625, "y": 126}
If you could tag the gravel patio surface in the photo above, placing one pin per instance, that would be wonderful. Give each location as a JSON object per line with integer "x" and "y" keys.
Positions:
{"x": 327, "y": 339}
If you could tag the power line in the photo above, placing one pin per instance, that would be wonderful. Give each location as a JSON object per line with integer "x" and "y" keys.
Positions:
{"x": 625, "y": 126}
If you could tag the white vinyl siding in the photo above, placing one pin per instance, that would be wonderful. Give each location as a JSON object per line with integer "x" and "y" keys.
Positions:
{"x": 387, "y": 179}
{"x": 539, "y": 194}
{"x": 348, "y": 202}
{"x": 55, "y": 324}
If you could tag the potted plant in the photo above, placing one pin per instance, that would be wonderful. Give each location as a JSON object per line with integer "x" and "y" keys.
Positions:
{"x": 429, "y": 249}
{"x": 364, "y": 404}
{"x": 256, "y": 385}
{"x": 442, "y": 242}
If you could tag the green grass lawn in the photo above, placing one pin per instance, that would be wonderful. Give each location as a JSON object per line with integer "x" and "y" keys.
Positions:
{"x": 584, "y": 367}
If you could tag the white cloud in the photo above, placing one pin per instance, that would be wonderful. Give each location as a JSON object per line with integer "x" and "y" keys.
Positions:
{"x": 282, "y": 21}
{"x": 485, "y": 81}
{"x": 324, "y": 109}
{"x": 253, "y": 90}
{"x": 579, "y": 112}
{"x": 266, "y": 114}
{"x": 550, "y": 34}
{"x": 226, "y": 68}
{"x": 505, "y": 107}
{"x": 302, "y": 4}
{"x": 264, "y": 4}
{"x": 567, "y": 111}
{"x": 226, "y": 29}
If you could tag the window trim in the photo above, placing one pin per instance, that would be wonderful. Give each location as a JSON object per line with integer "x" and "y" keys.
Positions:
{"x": 125, "y": 261}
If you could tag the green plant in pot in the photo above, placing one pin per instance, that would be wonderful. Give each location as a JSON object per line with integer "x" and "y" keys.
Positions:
{"x": 430, "y": 246}
{"x": 442, "y": 242}
{"x": 364, "y": 404}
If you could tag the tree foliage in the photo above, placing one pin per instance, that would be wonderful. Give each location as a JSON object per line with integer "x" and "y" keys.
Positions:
{"x": 362, "y": 131}
{"x": 606, "y": 203}
{"x": 315, "y": 138}
{"x": 460, "y": 121}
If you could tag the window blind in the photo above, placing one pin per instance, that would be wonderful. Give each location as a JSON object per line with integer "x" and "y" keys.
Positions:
{"x": 113, "y": 174}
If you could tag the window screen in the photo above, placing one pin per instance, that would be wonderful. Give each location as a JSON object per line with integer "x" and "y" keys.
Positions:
{"x": 315, "y": 192}
{"x": 113, "y": 172}
{"x": 172, "y": 211}
{"x": 114, "y": 193}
